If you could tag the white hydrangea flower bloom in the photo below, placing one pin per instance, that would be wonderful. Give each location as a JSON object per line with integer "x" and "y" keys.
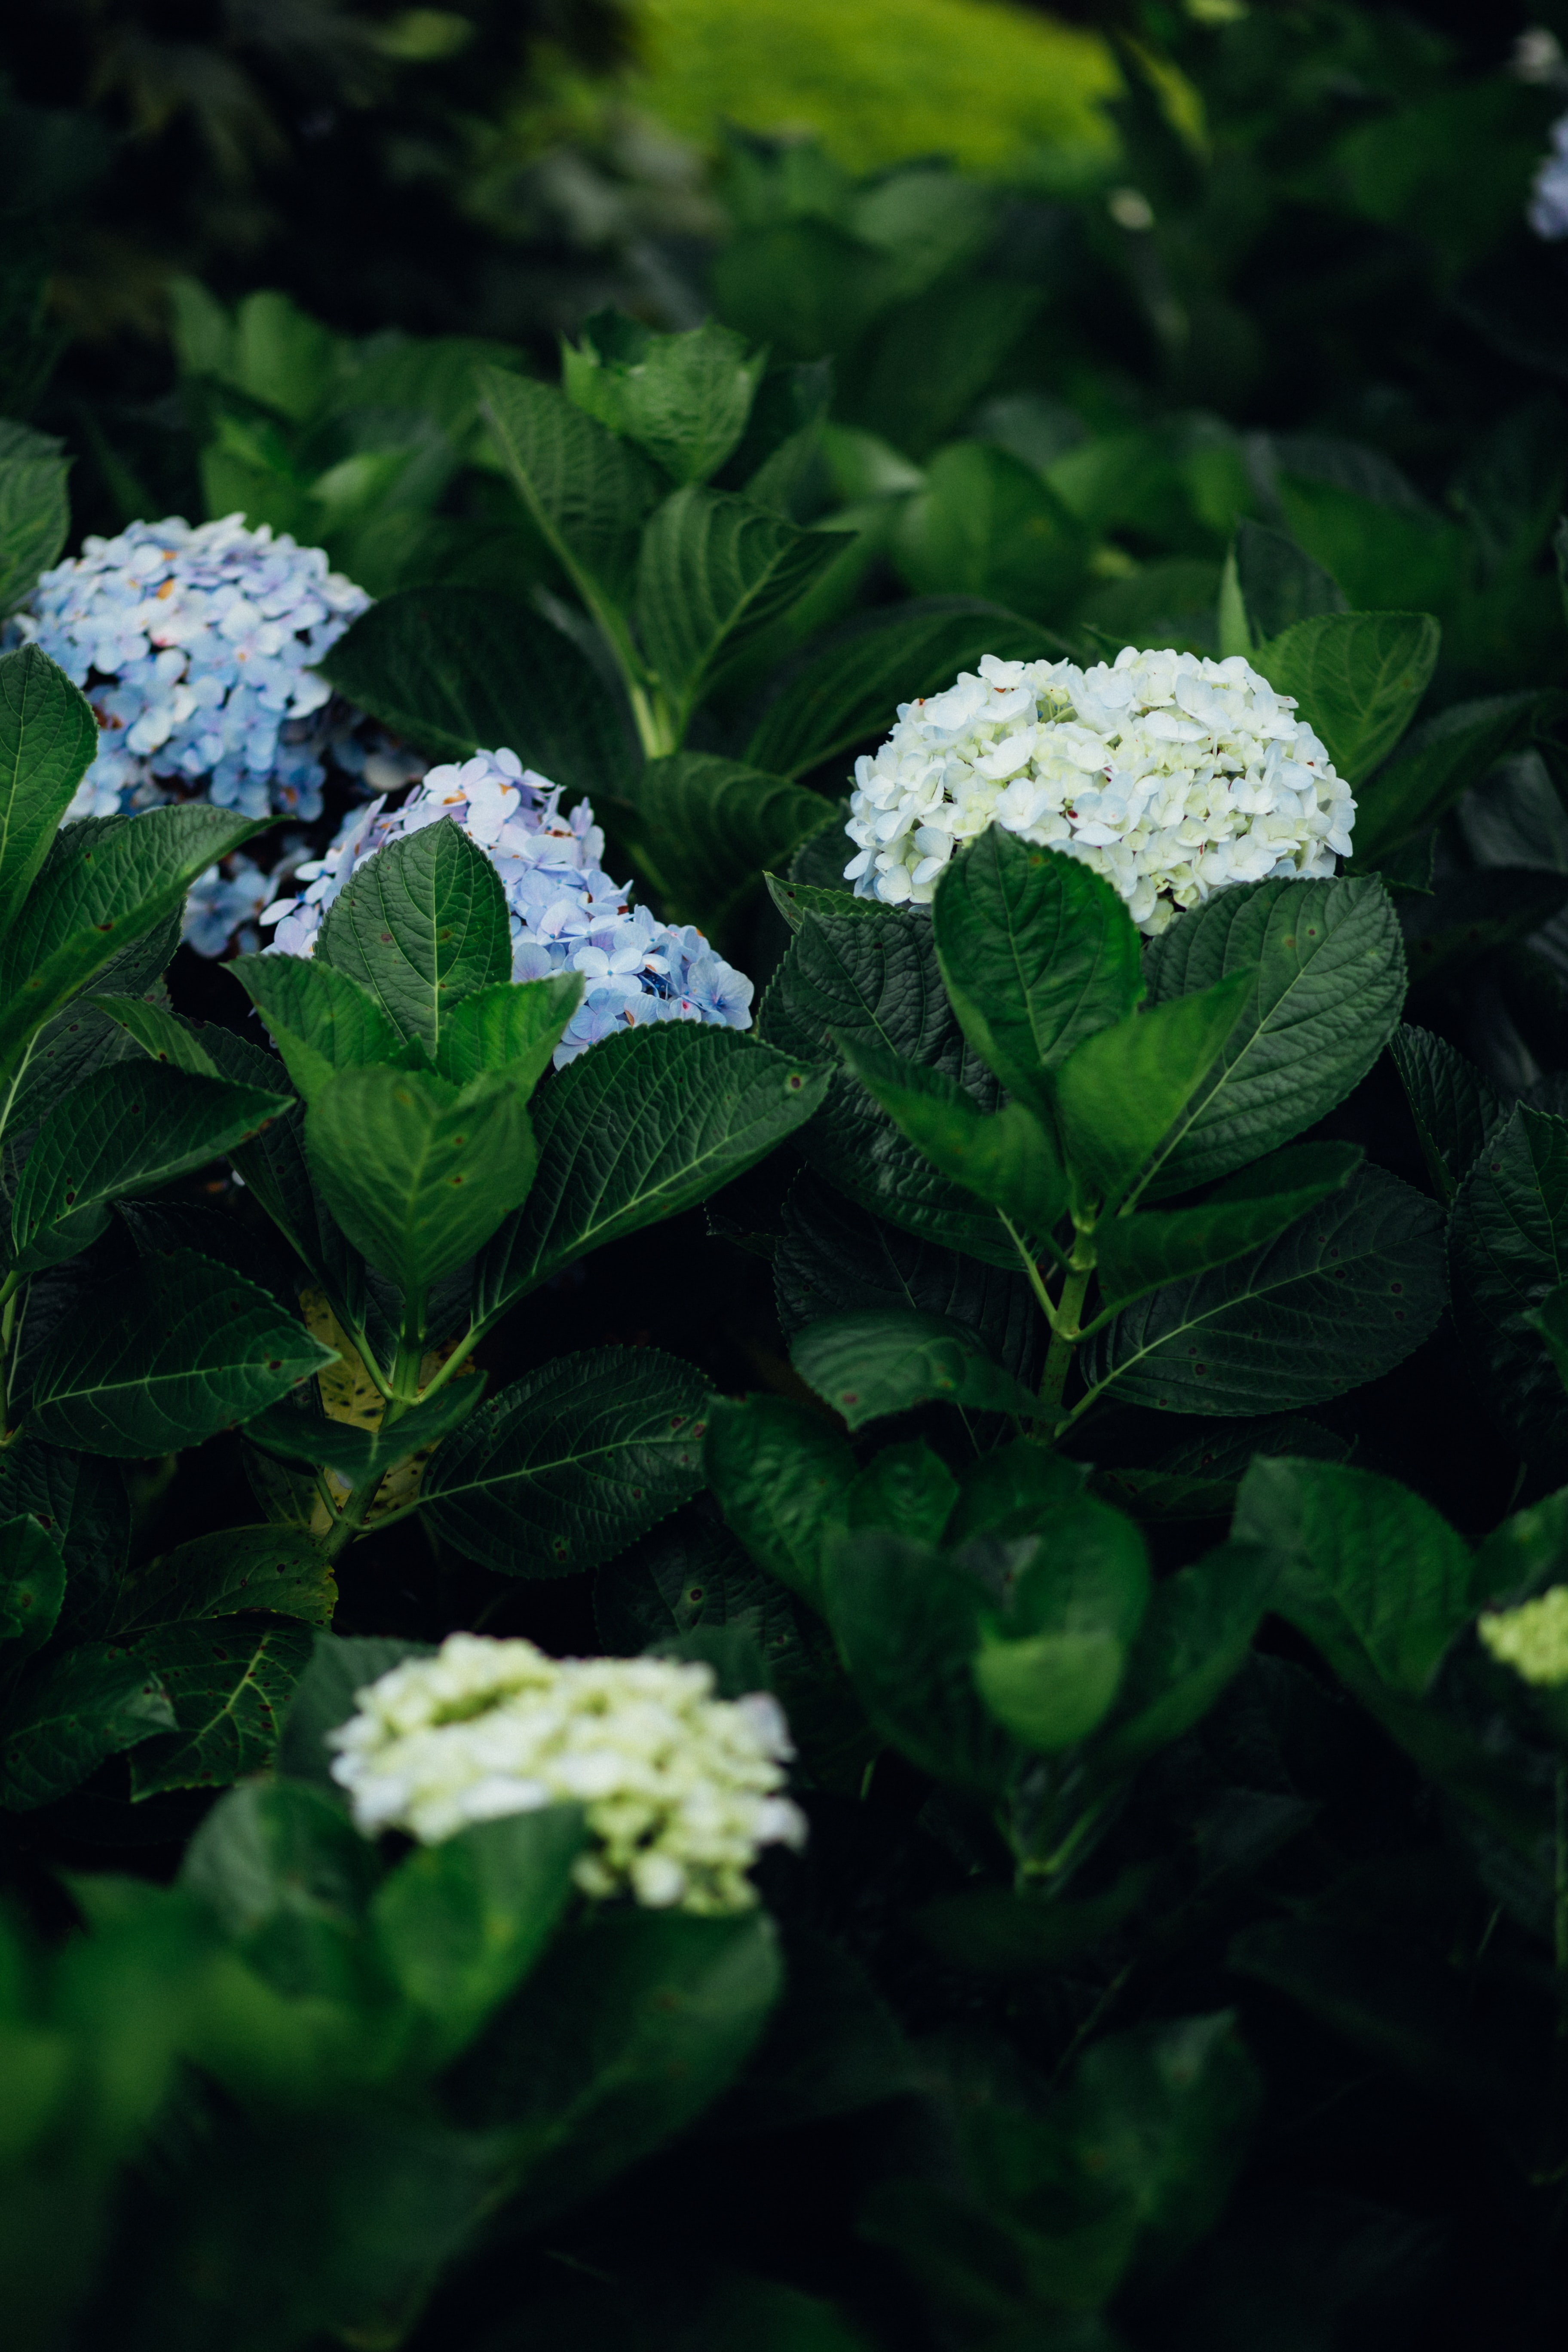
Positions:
{"x": 1532, "y": 1639}
{"x": 1171, "y": 774}
{"x": 680, "y": 1789}
{"x": 566, "y": 913}
{"x": 195, "y": 646}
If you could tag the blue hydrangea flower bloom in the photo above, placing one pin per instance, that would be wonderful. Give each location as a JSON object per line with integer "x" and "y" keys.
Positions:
{"x": 1548, "y": 213}
{"x": 566, "y": 913}
{"x": 195, "y": 647}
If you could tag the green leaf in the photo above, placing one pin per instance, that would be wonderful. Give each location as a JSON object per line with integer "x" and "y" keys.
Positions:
{"x": 1328, "y": 996}
{"x": 907, "y": 1489}
{"x": 228, "y": 1681}
{"x": 567, "y": 1466}
{"x": 851, "y": 688}
{"x": 877, "y": 984}
{"x": 48, "y": 740}
{"x": 122, "y": 1131}
{"x": 35, "y": 512}
{"x": 304, "y": 1435}
{"x": 81, "y": 1504}
{"x": 706, "y": 826}
{"x": 1018, "y": 1489}
{"x": 1357, "y": 678}
{"x": 105, "y": 883}
{"x": 1197, "y": 1636}
{"x": 1278, "y": 584}
{"x": 319, "y": 1020}
{"x": 511, "y": 1026}
{"x": 459, "y": 670}
{"x": 1038, "y": 953}
{"x": 32, "y": 1587}
{"x": 1508, "y": 1249}
{"x": 71, "y": 1711}
{"x": 1124, "y": 1089}
{"x": 326, "y": 1695}
{"x": 1340, "y": 1298}
{"x": 796, "y": 899}
{"x": 418, "y": 1172}
{"x": 160, "y": 1033}
{"x": 1551, "y": 1319}
{"x": 997, "y": 1933}
{"x": 907, "y": 1624}
{"x": 462, "y": 1923}
{"x": 714, "y": 571}
{"x": 685, "y": 398}
{"x": 1454, "y": 1108}
{"x": 932, "y": 358}
{"x": 419, "y": 924}
{"x": 634, "y": 2023}
{"x": 868, "y": 1365}
{"x": 985, "y": 524}
{"x": 588, "y": 490}
{"x": 643, "y": 1125}
{"x": 278, "y": 1568}
{"x": 1050, "y": 1666}
{"x": 1437, "y": 766}
{"x": 1007, "y": 1158}
{"x": 176, "y": 1350}
{"x": 1364, "y": 1566}
{"x": 781, "y": 1473}
{"x": 1136, "y": 1254}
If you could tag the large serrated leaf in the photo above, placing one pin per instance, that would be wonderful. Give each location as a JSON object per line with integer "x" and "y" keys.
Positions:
{"x": 419, "y": 924}
{"x": 72, "y": 1710}
{"x": 706, "y": 826}
{"x": 1142, "y": 1252}
{"x": 230, "y": 1682}
{"x": 1508, "y": 1249}
{"x": 565, "y": 1468}
{"x": 1438, "y": 764}
{"x": 177, "y": 1349}
{"x": 35, "y": 506}
{"x": 713, "y": 573}
{"x": 782, "y": 1473}
{"x": 869, "y": 1364}
{"x": 643, "y": 1125}
{"x": 276, "y": 1569}
{"x": 1357, "y": 678}
{"x": 1454, "y": 1108}
{"x": 1338, "y": 1300}
{"x": 319, "y": 1020}
{"x": 48, "y": 738}
{"x": 588, "y": 490}
{"x": 684, "y": 398}
{"x": 1330, "y": 984}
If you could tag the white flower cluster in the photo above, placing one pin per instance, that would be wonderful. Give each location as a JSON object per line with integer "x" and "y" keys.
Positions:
{"x": 1548, "y": 209}
{"x": 566, "y": 913}
{"x": 1169, "y": 774}
{"x": 679, "y": 1789}
{"x": 1532, "y": 1639}
{"x": 194, "y": 647}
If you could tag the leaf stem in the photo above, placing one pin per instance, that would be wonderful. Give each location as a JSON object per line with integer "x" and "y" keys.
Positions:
{"x": 1064, "y": 1337}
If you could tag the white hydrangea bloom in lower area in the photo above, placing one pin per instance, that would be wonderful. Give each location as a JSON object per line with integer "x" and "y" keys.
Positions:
{"x": 194, "y": 646}
{"x": 566, "y": 913}
{"x": 1532, "y": 1639}
{"x": 680, "y": 1789}
{"x": 1171, "y": 774}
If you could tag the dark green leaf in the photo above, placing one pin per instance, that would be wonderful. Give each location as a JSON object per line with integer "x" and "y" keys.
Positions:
{"x": 1508, "y": 1249}
{"x": 1357, "y": 678}
{"x": 35, "y": 516}
{"x": 416, "y": 1171}
{"x": 1197, "y": 1635}
{"x": 566, "y": 1466}
{"x": 781, "y": 1473}
{"x": 713, "y": 573}
{"x": 870, "y": 1364}
{"x": 1049, "y": 1668}
{"x": 80, "y": 1502}
{"x": 48, "y": 738}
{"x": 164, "y": 1034}
{"x": 278, "y": 1568}
{"x": 1197, "y": 1479}
{"x": 1438, "y": 764}
{"x": 1362, "y": 1563}
{"x": 419, "y": 924}
{"x": 326, "y": 1695}
{"x": 512, "y": 1025}
{"x": 70, "y": 1712}
{"x": 1006, "y": 1158}
{"x": 643, "y": 1125}
{"x": 1340, "y": 1298}
{"x": 305, "y": 1436}
{"x": 1038, "y": 953}
{"x": 1329, "y": 986}
{"x": 1278, "y": 583}
{"x": 1018, "y": 1489}
{"x": 985, "y": 524}
{"x": 461, "y": 1923}
{"x": 1121, "y": 1093}
{"x": 706, "y": 825}
{"x": 319, "y": 1020}
{"x": 588, "y": 490}
{"x": 32, "y": 1587}
{"x": 1003, "y": 1935}
{"x": 796, "y": 899}
{"x": 907, "y": 1489}
{"x": 1135, "y": 1253}
{"x": 851, "y": 688}
{"x": 1454, "y": 1108}
{"x": 908, "y": 1626}
{"x": 176, "y": 1350}
{"x": 460, "y": 670}
{"x": 228, "y": 1681}
{"x": 1551, "y": 1319}
{"x": 931, "y": 358}
{"x": 685, "y": 398}
{"x": 122, "y": 1131}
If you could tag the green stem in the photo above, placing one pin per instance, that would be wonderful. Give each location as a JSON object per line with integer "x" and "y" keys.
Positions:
{"x": 453, "y": 1363}
{"x": 352, "y": 1518}
{"x": 7, "y": 1328}
{"x": 1037, "y": 1280}
{"x": 1064, "y": 1337}
{"x": 657, "y": 730}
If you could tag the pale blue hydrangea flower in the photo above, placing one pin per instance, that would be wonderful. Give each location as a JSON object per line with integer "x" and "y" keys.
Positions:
{"x": 195, "y": 646}
{"x": 1548, "y": 213}
{"x": 566, "y": 913}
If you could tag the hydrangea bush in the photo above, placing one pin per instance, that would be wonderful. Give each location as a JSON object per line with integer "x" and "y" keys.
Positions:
{"x": 1171, "y": 774}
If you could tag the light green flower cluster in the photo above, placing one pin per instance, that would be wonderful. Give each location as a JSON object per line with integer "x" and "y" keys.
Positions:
{"x": 679, "y": 1789}
{"x": 1533, "y": 1638}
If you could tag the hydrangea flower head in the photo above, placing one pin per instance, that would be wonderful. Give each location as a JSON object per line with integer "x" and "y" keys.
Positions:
{"x": 1548, "y": 208}
{"x": 195, "y": 646}
{"x": 680, "y": 1789}
{"x": 1171, "y": 774}
{"x": 566, "y": 914}
{"x": 1532, "y": 1639}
